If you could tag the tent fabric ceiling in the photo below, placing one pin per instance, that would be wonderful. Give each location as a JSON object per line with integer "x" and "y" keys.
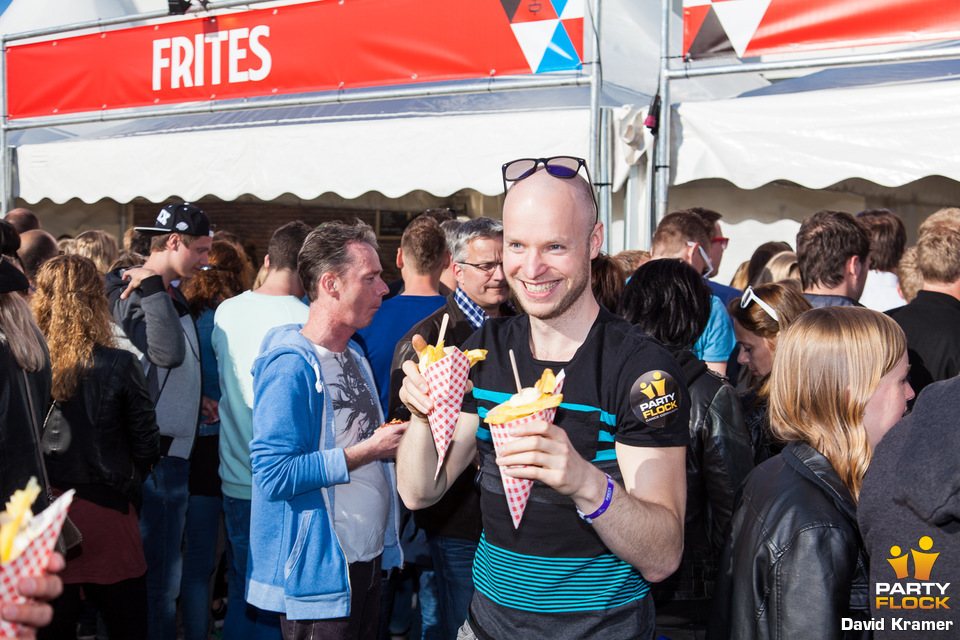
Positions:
{"x": 889, "y": 134}
{"x": 350, "y": 156}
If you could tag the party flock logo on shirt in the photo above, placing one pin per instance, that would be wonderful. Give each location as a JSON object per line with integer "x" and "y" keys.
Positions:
{"x": 654, "y": 398}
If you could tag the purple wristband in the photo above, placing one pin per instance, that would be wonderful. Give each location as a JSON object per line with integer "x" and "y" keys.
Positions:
{"x": 607, "y": 498}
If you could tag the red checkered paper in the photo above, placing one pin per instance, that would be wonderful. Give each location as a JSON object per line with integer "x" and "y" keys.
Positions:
{"x": 34, "y": 559}
{"x": 447, "y": 379}
{"x": 517, "y": 490}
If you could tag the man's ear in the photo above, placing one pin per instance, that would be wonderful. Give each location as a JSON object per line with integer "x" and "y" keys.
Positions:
{"x": 173, "y": 241}
{"x": 447, "y": 259}
{"x": 399, "y": 258}
{"x": 266, "y": 262}
{"x": 330, "y": 284}
{"x": 854, "y": 265}
{"x": 596, "y": 240}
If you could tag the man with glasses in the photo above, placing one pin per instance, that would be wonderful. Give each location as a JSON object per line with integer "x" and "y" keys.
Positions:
{"x": 453, "y": 524}
{"x": 682, "y": 235}
{"x": 596, "y": 527}
{"x": 718, "y": 244}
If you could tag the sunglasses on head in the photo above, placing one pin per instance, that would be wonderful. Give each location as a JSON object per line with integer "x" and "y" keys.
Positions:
{"x": 749, "y": 296}
{"x": 565, "y": 167}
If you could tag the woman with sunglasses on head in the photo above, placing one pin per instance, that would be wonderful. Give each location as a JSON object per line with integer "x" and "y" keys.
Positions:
{"x": 758, "y": 318}
{"x": 100, "y": 438}
{"x": 794, "y": 565}
{"x": 670, "y": 301}
{"x": 225, "y": 277}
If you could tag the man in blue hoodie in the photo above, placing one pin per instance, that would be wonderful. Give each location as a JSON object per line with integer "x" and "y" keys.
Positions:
{"x": 323, "y": 520}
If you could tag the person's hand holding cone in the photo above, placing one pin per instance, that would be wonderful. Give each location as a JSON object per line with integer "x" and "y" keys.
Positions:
{"x": 26, "y": 544}
{"x": 445, "y": 370}
{"x": 539, "y": 402}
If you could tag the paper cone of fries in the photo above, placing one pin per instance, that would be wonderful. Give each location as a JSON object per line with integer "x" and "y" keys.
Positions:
{"x": 32, "y": 548}
{"x": 517, "y": 490}
{"x": 447, "y": 379}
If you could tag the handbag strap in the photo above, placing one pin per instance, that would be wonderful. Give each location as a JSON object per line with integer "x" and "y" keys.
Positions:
{"x": 36, "y": 433}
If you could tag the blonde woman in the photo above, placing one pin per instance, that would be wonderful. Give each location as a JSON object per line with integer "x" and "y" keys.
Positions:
{"x": 99, "y": 246}
{"x": 794, "y": 563}
{"x": 101, "y": 439}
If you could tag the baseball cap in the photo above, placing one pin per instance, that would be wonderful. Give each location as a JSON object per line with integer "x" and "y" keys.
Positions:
{"x": 11, "y": 278}
{"x": 180, "y": 217}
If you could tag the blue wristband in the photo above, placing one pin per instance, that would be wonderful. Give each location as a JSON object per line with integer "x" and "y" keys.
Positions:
{"x": 607, "y": 498}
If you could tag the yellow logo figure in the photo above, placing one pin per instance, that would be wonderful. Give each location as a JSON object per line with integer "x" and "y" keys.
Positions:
{"x": 922, "y": 562}
{"x": 656, "y": 388}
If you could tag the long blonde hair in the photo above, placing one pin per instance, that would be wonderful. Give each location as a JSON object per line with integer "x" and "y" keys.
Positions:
{"x": 827, "y": 366}
{"x": 70, "y": 305}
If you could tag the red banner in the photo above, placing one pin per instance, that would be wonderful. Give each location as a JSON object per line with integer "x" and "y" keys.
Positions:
{"x": 748, "y": 28}
{"x": 318, "y": 46}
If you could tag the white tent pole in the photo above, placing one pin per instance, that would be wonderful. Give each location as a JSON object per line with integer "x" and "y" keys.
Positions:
{"x": 662, "y": 168}
{"x": 596, "y": 159}
{"x": 4, "y": 152}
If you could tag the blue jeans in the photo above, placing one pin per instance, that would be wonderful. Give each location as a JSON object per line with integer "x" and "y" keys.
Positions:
{"x": 162, "y": 520}
{"x": 199, "y": 563}
{"x": 243, "y": 621}
{"x": 453, "y": 566}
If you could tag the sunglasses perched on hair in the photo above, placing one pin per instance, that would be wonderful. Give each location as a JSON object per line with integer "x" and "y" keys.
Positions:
{"x": 565, "y": 167}
{"x": 749, "y": 296}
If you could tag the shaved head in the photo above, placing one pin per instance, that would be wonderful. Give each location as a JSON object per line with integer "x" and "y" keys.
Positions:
{"x": 577, "y": 187}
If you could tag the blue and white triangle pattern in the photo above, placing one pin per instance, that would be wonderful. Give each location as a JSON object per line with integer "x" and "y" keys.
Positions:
{"x": 546, "y": 44}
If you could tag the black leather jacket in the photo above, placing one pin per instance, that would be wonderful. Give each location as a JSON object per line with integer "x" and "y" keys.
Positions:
{"x": 19, "y": 455}
{"x": 719, "y": 458}
{"x": 104, "y": 439}
{"x": 795, "y": 563}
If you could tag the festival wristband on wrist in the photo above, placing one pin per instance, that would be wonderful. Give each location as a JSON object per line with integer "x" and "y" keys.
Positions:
{"x": 607, "y": 498}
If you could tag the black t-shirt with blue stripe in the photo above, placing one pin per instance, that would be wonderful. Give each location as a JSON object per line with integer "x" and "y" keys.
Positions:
{"x": 553, "y": 576}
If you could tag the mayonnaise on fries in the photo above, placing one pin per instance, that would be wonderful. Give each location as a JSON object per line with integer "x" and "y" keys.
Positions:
{"x": 15, "y": 519}
{"x": 528, "y": 401}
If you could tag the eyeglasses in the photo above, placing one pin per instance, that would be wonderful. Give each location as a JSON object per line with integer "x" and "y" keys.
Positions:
{"x": 749, "y": 296}
{"x": 558, "y": 166}
{"x": 723, "y": 242}
{"x": 488, "y": 268}
{"x": 703, "y": 254}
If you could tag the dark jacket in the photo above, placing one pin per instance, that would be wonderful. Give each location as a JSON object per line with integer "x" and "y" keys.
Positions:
{"x": 104, "y": 439}
{"x": 912, "y": 491}
{"x": 719, "y": 457}
{"x": 794, "y": 564}
{"x": 19, "y": 453}
{"x": 930, "y": 323}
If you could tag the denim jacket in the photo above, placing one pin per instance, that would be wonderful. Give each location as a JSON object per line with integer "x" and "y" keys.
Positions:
{"x": 297, "y": 565}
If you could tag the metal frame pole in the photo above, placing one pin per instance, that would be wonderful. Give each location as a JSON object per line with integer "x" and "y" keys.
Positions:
{"x": 5, "y": 177}
{"x": 596, "y": 125}
{"x": 662, "y": 166}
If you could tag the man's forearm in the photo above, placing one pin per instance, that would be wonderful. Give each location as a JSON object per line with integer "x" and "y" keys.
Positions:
{"x": 416, "y": 464}
{"x": 646, "y": 535}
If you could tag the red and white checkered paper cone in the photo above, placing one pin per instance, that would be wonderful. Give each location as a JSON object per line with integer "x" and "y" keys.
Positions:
{"x": 447, "y": 379}
{"x": 517, "y": 490}
{"x": 34, "y": 559}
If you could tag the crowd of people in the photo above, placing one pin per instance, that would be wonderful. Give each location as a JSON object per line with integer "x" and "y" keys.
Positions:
{"x": 727, "y": 461}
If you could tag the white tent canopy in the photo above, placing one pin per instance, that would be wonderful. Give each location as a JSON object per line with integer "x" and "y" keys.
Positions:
{"x": 439, "y": 145}
{"x": 891, "y": 125}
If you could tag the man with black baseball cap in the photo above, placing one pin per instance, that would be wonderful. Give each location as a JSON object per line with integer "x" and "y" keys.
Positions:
{"x": 156, "y": 318}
